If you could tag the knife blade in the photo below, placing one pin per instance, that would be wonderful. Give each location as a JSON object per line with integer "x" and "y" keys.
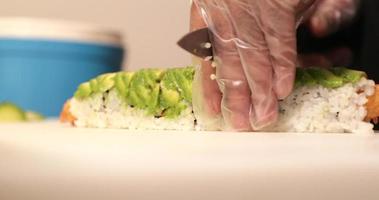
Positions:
{"x": 198, "y": 43}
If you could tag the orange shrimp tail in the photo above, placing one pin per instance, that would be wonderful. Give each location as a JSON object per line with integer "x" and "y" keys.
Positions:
{"x": 372, "y": 107}
{"x": 66, "y": 115}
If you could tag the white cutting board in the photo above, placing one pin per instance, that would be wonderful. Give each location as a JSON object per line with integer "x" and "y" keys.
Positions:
{"x": 53, "y": 161}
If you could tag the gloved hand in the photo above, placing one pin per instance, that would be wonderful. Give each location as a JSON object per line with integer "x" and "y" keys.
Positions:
{"x": 255, "y": 51}
{"x": 330, "y": 15}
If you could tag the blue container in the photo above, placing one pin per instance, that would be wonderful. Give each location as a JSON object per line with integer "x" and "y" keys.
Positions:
{"x": 41, "y": 73}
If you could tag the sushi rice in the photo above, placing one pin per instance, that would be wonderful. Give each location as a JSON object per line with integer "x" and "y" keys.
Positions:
{"x": 321, "y": 110}
{"x": 107, "y": 110}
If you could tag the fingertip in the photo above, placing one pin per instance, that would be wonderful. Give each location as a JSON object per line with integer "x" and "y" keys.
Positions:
{"x": 206, "y": 98}
{"x": 235, "y": 112}
{"x": 318, "y": 26}
{"x": 260, "y": 120}
{"x": 283, "y": 83}
{"x": 326, "y": 23}
{"x": 237, "y": 122}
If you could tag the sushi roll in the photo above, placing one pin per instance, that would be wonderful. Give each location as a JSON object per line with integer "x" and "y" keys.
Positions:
{"x": 336, "y": 100}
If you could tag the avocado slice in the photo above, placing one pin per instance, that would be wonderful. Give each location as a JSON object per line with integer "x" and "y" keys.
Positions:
{"x": 326, "y": 78}
{"x": 9, "y": 112}
{"x": 303, "y": 78}
{"x": 105, "y": 82}
{"x": 174, "y": 111}
{"x": 348, "y": 75}
{"x": 122, "y": 82}
{"x": 84, "y": 90}
{"x": 144, "y": 90}
{"x": 184, "y": 78}
{"x": 176, "y": 91}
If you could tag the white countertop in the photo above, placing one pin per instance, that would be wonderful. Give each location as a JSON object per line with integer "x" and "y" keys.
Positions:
{"x": 53, "y": 161}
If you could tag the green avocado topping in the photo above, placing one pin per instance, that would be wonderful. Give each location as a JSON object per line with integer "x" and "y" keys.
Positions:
{"x": 122, "y": 82}
{"x": 167, "y": 92}
{"x": 84, "y": 90}
{"x": 144, "y": 90}
{"x": 328, "y": 78}
{"x": 303, "y": 78}
{"x": 105, "y": 82}
{"x": 176, "y": 91}
{"x": 348, "y": 75}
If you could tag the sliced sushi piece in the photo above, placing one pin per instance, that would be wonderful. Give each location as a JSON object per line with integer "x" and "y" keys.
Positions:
{"x": 149, "y": 99}
{"x": 338, "y": 100}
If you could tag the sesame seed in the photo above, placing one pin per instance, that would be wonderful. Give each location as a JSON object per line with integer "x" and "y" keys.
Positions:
{"x": 207, "y": 45}
{"x": 213, "y": 77}
{"x": 208, "y": 58}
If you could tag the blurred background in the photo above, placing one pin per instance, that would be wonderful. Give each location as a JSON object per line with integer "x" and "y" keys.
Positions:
{"x": 151, "y": 28}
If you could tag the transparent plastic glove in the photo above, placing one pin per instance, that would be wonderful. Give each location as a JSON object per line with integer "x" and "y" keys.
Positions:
{"x": 254, "y": 45}
{"x": 330, "y": 15}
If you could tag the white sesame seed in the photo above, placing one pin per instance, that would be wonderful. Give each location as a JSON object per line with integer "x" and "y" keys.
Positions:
{"x": 208, "y": 58}
{"x": 213, "y": 77}
{"x": 207, "y": 45}
{"x": 214, "y": 64}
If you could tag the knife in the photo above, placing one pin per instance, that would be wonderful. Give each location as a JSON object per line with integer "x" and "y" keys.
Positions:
{"x": 198, "y": 43}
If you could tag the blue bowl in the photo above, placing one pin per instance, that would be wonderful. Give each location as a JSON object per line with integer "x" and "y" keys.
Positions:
{"x": 41, "y": 74}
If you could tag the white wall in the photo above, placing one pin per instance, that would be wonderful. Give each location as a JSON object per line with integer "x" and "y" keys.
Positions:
{"x": 151, "y": 27}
